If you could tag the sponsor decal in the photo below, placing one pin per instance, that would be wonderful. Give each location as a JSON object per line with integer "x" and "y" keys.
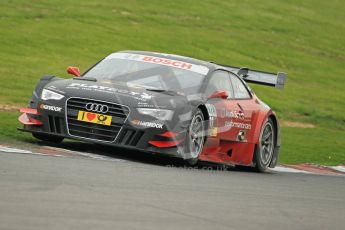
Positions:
{"x": 164, "y": 61}
{"x": 238, "y": 125}
{"x": 213, "y": 132}
{"x": 161, "y": 61}
{"x": 147, "y": 124}
{"x": 105, "y": 89}
{"x": 232, "y": 114}
{"x": 95, "y": 118}
{"x": 51, "y": 108}
{"x": 146, "y": 105}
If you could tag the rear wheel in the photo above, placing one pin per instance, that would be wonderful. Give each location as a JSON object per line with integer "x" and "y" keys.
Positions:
{"x": 195, "y": 138}
{"x": 49, "y": 138}
{"x": 264, "y": 150}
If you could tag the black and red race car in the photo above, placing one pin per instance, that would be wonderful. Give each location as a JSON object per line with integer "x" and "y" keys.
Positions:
{"x": 161, "y": 103}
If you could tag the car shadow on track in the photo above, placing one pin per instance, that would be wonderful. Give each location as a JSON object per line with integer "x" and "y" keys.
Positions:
{"x": 140, "y": 157}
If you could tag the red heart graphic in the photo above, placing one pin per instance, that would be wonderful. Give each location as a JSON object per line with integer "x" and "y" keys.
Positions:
{"x": 90, "y": 116}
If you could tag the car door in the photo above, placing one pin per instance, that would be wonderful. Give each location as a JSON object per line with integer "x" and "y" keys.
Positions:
{"x": 243, "y": 99}
{"x": 227, "y": 112}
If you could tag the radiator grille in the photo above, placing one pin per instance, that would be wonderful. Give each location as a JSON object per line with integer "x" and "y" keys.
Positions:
{"x": 98, "y": 132}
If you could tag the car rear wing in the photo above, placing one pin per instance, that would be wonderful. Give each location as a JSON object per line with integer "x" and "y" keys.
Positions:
{"x": 260, "y": 77}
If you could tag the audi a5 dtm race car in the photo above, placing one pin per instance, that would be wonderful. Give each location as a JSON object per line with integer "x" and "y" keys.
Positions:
{"x": 161, "y": 103}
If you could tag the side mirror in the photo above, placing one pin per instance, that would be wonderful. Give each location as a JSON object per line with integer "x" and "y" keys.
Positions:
{"x": 219, "y": 94}
{"x": 73, "y": 70}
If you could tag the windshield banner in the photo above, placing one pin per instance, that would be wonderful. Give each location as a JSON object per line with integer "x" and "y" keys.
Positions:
{"x": 160, "y": 61}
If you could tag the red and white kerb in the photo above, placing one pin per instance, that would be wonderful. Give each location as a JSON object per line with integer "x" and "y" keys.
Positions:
{"x": 161, "y": 61}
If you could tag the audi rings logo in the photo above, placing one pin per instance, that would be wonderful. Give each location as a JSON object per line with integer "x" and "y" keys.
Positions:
{"x": 97, "y": 108}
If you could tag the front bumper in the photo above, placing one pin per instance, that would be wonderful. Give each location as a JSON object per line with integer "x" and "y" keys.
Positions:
{"x": 122, "y": 133}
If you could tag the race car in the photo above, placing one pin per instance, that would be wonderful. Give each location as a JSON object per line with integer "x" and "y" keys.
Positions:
{"x": 161, "y": 103}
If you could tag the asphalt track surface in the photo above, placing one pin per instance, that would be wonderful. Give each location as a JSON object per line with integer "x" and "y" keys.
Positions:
{"x": 131, "y": 190}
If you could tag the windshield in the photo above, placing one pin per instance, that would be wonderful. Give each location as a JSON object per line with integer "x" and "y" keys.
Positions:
{"x": 149, "y": 72}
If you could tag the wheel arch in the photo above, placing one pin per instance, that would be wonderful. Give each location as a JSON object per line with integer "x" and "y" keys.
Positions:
{"x": 274, "y": 119}
{"x": 204, "y": 111}
{"x": 261, "y": 120}
{"x": 276, "y": 150}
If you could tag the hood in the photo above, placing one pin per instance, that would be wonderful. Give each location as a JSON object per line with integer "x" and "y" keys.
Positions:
{"x": 116, "y": 93}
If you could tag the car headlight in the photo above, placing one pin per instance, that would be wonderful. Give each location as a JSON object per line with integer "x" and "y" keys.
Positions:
{"x": 50, "y": 95}
{"x": 160, "y": 114}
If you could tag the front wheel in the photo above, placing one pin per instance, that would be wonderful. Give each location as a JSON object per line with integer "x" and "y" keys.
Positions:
{"x": 48, "y": 138}
{"x": 264, "y": 150}
{"x": 195, "y": 138}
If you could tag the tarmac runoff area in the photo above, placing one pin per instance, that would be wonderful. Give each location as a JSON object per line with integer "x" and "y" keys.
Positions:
{"x": 82, "y": 186}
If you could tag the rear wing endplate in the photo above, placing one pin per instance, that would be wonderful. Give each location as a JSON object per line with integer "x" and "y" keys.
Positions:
{"x": 260, "y": 77}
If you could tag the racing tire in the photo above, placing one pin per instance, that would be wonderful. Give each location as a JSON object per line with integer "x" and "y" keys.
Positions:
{"x": 263, "y": 152}
{"x": 48, "y": 138}
{"x": 195, "y": 138}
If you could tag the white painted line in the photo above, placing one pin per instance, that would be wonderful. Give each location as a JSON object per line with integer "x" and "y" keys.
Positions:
{"x": 288, "y": 170}
{"x": 43, "y": 154}
{"x": 89, "y": 155}
{"x": 13, "y": 150}
{"x": 338, "y": 168}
